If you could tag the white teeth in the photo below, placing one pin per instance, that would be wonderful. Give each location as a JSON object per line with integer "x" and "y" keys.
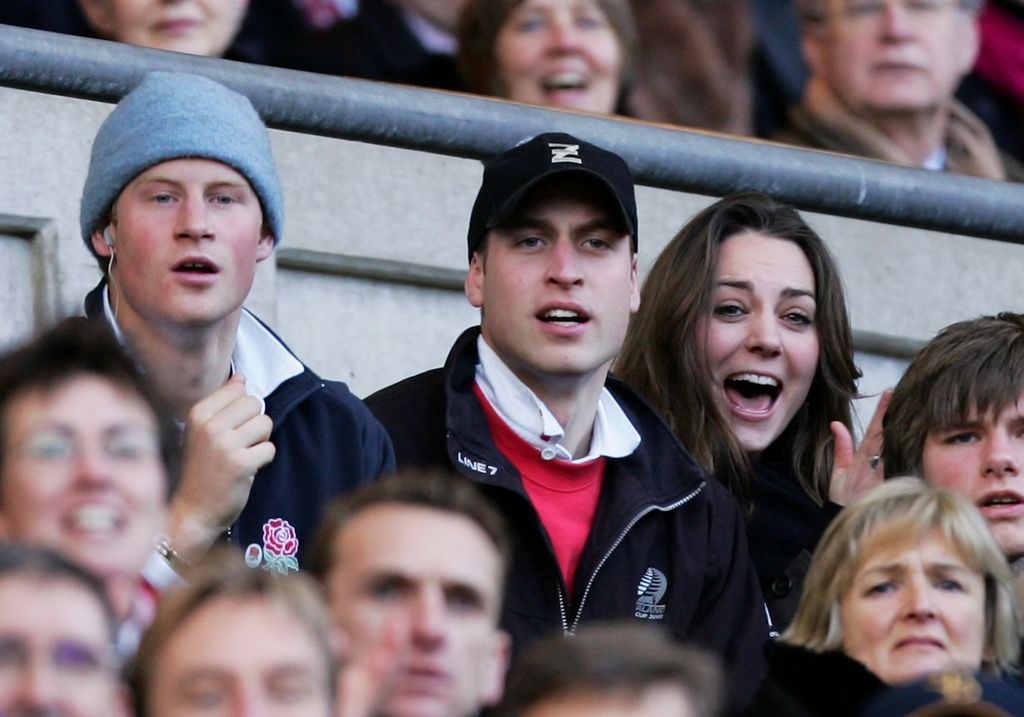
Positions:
{"x": 95, "y": 517}
{"x": 1004, "y": 500}
{"x": 563, "y": 317}
{"x": 564, "y": 81}
{"x": 561, "y": 314}
{"x": 755, "y": 378}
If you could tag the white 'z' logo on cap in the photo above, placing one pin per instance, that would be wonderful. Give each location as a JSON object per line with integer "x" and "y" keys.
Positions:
{"x": 561, "y": 152}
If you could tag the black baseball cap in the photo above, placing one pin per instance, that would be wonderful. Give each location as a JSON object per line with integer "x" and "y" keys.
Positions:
{"x": 511, "y": 174}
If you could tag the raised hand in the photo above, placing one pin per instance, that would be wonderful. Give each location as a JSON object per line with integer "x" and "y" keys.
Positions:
{"x": 366, "y": 679}
{"x": 226, "y": 442}
{"x": 854, "y": 473}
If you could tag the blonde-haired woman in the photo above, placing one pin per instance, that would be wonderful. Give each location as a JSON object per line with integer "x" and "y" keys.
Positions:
{"x": 906, "y": 582}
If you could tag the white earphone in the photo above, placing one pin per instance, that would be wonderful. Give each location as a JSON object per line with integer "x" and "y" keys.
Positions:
{"x": 108, "y": 239}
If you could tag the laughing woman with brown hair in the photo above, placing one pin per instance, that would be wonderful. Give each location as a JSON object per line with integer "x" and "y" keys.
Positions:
{"x": 743, "y": 343}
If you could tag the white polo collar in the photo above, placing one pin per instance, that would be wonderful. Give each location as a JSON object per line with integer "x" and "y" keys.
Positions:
{"x": 614, "y": 435}
{"x": 258, "y": 354}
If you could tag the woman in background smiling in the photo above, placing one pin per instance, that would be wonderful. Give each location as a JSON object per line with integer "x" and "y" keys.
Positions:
{"x": 570, "y": 54}
{"x": 686, "y": 62}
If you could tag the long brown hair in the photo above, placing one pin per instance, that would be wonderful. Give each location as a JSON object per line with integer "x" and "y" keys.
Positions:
{"x": 663, "y": 359}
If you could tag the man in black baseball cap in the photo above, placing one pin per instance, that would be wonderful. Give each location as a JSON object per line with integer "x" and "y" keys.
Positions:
{"x": 509, "y": 176}
{"x": 612, "y": 518}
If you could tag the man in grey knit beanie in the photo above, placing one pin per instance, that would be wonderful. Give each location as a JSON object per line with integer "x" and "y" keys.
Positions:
{"x": 181, "y": 202}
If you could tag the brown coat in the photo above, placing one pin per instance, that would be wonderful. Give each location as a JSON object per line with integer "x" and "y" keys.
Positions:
{"x": 821, "y": 122}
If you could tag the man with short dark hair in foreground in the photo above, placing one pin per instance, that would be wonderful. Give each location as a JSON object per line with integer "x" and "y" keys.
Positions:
{"x": 611, "y": 517}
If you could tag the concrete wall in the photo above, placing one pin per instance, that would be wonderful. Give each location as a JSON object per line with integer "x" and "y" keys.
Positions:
{"x": 362, "y": 202}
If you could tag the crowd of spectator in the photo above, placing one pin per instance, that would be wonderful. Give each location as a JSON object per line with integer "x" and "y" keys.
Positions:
{"x": 613, "y": 498}
{"x": 876, "y": 79}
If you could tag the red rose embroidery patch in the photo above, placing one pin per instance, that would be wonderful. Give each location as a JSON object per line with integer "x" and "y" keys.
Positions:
{"x": 280, "y": 546}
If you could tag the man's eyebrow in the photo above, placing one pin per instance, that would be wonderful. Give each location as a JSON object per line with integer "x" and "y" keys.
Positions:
{"x": 976, "y": 423}
{"x": 464, "y": 587}
{"x": 292, "y": 668}
{"x": 128, "y": 426}
{"x": 179, "y": 182}
{"x": 523, "y": 222}
{"x": 160, "y": 180}
{"x": 959, "y": 424}
{"x": 528, "y": 221}
{"x": 387, "y": 575}
{"x": 205, "y": 672}
{"x": 227, "y": 183}
{"x": 603, "y": 224}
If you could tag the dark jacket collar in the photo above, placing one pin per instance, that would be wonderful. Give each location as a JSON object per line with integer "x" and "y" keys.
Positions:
{"x": 824, "y": 683}
{"x": 666, "y": 471}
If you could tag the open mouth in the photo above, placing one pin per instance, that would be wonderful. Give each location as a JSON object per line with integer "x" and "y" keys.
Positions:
{"x": 95, "y": 518}
{"x": 563, "y": 82}
{"x": 1000, "y": 500}
{"x": 752, "y": 392}
{"x": 563, "y": 317}
{"x": 196, "y": 266}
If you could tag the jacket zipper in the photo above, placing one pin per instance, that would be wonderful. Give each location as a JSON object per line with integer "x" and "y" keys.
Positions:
{"x": 571, "y": 631}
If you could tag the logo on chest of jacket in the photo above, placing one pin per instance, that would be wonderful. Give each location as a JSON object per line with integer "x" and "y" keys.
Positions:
{"x": 477, "y": 466}
{"x": 279, "y": 549}
{"x": 650, "y": 591}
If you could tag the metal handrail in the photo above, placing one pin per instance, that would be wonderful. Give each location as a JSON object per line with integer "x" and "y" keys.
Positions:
{"x": 465, "y": 126}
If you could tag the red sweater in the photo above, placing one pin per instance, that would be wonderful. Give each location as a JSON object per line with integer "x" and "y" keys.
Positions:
{"x": 564, "y": 494}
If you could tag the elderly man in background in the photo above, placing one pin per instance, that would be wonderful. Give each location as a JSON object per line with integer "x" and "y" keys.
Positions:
{"x": 883, "y": 74}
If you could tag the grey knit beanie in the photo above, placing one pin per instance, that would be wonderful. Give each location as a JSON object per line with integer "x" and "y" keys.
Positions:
{"x": 172, "y": 115}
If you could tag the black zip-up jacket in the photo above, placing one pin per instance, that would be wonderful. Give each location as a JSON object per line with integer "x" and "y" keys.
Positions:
{"x": 327, "y": 444}
{"x": 668, "y": 544}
